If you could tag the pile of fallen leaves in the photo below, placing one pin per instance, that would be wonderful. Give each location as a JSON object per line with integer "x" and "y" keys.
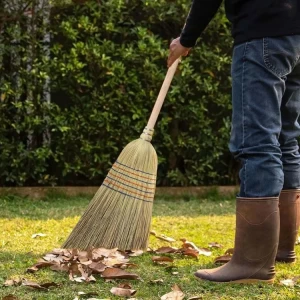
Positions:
{"x": 81, "y": 266}
{"x": 110, "y": 264}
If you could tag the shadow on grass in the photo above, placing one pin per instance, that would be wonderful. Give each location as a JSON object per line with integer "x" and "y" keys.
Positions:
{"x": 58, "y": 206}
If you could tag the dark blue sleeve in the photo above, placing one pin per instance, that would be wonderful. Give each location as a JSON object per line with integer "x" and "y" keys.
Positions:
{"x": 201, "y": 13}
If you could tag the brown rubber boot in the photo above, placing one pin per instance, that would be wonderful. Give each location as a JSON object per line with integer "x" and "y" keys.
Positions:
{"x": 289, "y": 207}
{"x": 256, "y": 242}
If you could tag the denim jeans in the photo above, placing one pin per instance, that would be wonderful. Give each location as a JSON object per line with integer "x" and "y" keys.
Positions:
{"x": 265, "y": 117}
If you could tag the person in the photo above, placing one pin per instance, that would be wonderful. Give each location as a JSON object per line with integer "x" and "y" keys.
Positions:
{"x": 265, "y": 127}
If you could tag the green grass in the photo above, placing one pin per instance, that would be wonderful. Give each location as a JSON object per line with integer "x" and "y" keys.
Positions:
{"x": 210, "y": 219}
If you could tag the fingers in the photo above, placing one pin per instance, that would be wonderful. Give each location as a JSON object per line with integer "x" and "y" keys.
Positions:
{"x": 172, "y": 57}
{"x": 176, "y": 50}
{"x": 186, "y": 53}
{"x": 172, "y": 54}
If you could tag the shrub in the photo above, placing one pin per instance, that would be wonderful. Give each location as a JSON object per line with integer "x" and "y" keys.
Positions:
{"x": 104, "y": 67}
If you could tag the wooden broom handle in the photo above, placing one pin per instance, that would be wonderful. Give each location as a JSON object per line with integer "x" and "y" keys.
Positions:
{"x": 162, "y": 95}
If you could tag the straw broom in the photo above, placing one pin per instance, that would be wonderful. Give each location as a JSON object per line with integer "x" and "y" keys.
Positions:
{"x": 119, "y": 215}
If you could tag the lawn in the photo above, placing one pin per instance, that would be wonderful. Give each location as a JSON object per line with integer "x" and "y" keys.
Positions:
{"x": 201, "y": 221}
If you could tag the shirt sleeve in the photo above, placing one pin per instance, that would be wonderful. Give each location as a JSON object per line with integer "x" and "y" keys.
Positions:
{"x": 201, "y": 13}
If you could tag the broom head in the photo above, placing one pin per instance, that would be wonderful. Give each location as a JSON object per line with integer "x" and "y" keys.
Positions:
{"x": 119, "y": 215}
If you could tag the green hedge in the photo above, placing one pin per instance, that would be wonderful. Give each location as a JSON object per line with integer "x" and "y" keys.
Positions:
{"x": 107, "y": 62}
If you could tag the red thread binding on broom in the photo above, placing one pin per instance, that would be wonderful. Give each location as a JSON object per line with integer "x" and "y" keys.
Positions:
{"x": 139, "y": 185}
{"x": 118, "y": 186}
{"x": 117, "y": 167}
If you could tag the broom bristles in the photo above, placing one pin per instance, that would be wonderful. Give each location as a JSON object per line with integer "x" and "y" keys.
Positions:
{"x": 119, "y": 215}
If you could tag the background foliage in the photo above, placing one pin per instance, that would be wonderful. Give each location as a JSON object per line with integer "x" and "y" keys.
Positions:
{"x": 104, "y": 66}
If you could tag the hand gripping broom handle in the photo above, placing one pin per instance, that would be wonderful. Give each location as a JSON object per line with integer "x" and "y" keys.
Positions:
{"x": 148, "y": 131}
{"x": 162, "y": 95}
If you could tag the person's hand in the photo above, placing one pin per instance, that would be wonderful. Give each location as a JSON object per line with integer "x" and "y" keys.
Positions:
{"x": 176, "y": 50}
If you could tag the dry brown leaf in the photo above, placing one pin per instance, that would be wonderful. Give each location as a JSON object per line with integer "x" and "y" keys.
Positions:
{"x": 10, "y": 297}
{"x": 84, "y": 260}
{"x": 39, "y": 265}
{"x": 59, "y": 251}
{"x": 287, "y": 282}
{"x": 229, "y": 251}
{"x": 71, "y": 276}
{"x": 97, "y": 267}
{"x": 122, "y": 292}
{"x": 176, "y": 294}
{"x": 165, "y": 238}
{"x": 78, "y": 279}
{"x": 32, "y": 269}
{"x": 150, "y": 250}
{"x": 74, "y": 269}
{"x": 123, "y": 254}
{"x": 85, "y": 271}
{"x": 9, "y": 282}
{"x": 13, "y": 282}
{"x": 71, "y": 258}
{"x": 215, "y": 245}
{"x": 126, "y": 266}
{"x": 166, "y": 250}
{"x": 49, "y": 256}
{"x": 190, "y": 245}
{"x": 222, "y": 259}
{"x": 84, "y": 279}
{"x": 111, "y": 262}
{"x": 49, "y": 284}
{"x": 90, "y": 254}
{"x": 86, "y": 263}
{"x": 54, "y": 258}
{"x": 91, "y": 278}
{"x": 60, "y": 268}
{"x": 157, "y": 281}
{"x": 74, "y": 252}
{"x": 162, "y": 259}
{"x": 195, "y": 298}
{"x": 176, "y": 288}
{"x": 33, "y": 285}
{"x": 162, "y": 237}
{"x": 125, "y": 285}
{"x": 204, "y": 251}
{"x": 114, "y": 273}
{"x": 102, "y": 252}
{"x": 190, "y": 252}
{"x": 290, "y": 282}
{"x": 136, "y": 253}
{"x": 34, "y": 236}
{"x": 85, "y": 255}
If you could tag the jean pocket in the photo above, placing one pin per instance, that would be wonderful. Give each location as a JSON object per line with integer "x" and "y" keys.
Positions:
{"x": 281, "y": 54}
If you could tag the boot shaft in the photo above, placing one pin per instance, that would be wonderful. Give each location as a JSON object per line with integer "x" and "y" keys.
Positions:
{"x": 289, "y": 204}
{"x": 256, "y": 243}
{"x": 257, "y": 234}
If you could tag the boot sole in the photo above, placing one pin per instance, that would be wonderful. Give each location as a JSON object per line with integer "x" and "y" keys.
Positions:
{"x": 291, "y": 262}
{"x": 245, "y": 281}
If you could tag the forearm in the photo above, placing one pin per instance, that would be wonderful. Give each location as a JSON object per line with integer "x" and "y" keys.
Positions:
{"x": 201, "y": 13}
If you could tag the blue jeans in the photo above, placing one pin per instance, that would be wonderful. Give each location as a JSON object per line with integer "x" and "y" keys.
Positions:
{"x": 265, "y": 117}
